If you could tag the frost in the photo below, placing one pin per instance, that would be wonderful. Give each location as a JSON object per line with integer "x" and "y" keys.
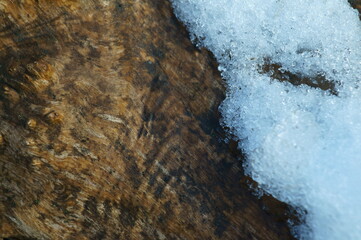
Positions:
{"x": 293, "y": 100}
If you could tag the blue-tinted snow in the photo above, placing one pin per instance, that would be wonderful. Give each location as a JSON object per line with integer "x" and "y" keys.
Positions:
{"x": 303, "y": 144}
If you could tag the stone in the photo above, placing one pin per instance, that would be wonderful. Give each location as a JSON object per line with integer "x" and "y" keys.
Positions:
{"x": 110, "y": 130}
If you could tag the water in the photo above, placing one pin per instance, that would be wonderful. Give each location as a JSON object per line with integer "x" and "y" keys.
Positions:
{"x": 292, "y": 70}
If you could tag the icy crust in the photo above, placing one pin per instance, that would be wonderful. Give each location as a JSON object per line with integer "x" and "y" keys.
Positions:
{"x": 303, "y": 144}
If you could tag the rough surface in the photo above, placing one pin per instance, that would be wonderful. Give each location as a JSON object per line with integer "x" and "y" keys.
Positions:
{"x": 109, "y": 129}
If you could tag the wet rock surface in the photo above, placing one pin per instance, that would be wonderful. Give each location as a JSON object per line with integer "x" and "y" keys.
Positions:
{"x": 109, "y": 129}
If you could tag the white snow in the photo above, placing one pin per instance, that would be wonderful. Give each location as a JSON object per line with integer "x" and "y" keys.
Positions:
{"x": 303, "y": 144}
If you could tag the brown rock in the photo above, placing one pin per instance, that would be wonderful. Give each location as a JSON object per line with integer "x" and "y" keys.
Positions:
{"x": 109, "y": 129}
{"x": 355, "y": 4}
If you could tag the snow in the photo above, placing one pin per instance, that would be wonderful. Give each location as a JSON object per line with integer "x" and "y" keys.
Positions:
{"x": 302, "y": 143}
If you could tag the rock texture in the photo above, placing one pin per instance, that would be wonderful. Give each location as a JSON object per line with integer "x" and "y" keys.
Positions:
{"x": 109, "y": 129}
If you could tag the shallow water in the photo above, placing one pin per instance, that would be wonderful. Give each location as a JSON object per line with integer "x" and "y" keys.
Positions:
{"x": 292, "y": 70}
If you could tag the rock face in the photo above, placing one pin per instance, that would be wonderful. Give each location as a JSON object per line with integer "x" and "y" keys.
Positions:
{"x": 109, "y": 129}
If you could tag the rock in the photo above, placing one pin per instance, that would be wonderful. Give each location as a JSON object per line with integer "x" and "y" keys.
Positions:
{"x": 109, "y": 129}
{"x": 355, "y": 4}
